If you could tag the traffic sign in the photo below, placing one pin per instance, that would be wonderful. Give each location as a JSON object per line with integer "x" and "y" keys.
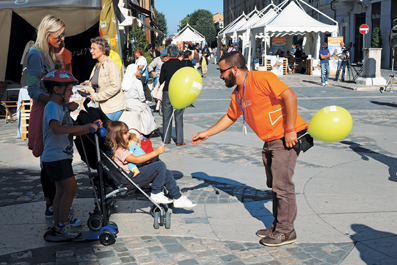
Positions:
{"x": 364, "y": 29}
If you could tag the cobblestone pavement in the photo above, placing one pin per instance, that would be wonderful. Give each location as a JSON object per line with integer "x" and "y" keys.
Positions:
{"x": 179, "y": 250}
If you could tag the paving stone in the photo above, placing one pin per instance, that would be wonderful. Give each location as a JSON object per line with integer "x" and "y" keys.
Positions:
{"x": 174, "y": 248}
{"x": 229, "y": 258}
{"x": 155, "y": 249}
{"x": 188, "y": 262}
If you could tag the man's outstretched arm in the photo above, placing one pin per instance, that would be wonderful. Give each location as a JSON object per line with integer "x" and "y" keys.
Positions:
{"x": 224, "y": 123}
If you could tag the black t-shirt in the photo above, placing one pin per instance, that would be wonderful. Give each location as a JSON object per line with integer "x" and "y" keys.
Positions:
{"x": 168, "y": 69}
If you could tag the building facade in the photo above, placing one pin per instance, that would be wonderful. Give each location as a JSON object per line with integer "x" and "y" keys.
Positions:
{"x": 350, "y": 15}
{"x": 218, "y": 21}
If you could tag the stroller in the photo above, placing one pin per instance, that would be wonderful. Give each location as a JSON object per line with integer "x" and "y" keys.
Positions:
{"x": 115, "y": 184}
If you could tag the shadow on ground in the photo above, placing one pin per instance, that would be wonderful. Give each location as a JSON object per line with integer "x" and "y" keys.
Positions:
{"x": 365, "y": 153}
{"x": 370, "y": 241}
{"x": 251, "y": 197}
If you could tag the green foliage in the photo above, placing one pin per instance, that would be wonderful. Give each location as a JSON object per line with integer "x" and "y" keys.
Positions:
{"x": 162, "y": 25}
{"x": 140, "y": 36}
{"x": 376, "y": 41}
{"x": 185, "y": 21}
{"x": 202, "y": 21}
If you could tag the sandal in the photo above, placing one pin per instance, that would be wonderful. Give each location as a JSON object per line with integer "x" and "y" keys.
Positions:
{"x": 180, "y": 144}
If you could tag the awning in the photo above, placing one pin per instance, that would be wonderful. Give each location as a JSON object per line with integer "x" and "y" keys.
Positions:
{"x": 153, "y": 29}
{"x": 139, "y": 9}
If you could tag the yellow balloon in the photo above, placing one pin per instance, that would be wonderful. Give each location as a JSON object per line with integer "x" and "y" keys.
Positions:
{"x": 330, "y": 124}
{"x": 184, "y": 87}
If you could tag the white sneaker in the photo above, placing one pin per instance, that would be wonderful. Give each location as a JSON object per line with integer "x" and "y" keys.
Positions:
{"x": 67, "y": 231}
{"x": 160, "y": 198}
{"x": 323, "y": 84}
{"x": 184, "y": 202}
{"x": 326, "y": 82}
{"x": 74, "y": 221}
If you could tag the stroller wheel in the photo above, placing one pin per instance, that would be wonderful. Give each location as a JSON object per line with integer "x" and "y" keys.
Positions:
{"x": 167, "y": 220}
{"x": 156, "y": 216}
{"x": 94, "y": 223}
{"x": 107, "y": 238}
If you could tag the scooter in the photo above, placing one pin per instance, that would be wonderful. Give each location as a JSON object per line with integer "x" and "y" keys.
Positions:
{"x": 104, "y": 230}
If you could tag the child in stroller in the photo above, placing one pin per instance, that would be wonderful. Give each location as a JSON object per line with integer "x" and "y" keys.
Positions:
{"x": 118, "y": 139}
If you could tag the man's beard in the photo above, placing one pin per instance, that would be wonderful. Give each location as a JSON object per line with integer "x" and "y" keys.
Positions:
{"x": 230, "y": 81}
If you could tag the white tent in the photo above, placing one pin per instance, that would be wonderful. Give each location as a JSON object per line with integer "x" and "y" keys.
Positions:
{"x": 302, "y": 24}
{"x": 189, "y": 34}
{"x": 79, "y": 16}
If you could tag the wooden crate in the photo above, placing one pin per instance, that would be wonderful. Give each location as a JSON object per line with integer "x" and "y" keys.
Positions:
{"x": 25, "y": 109}
{"x": 309, "y": 67}
{"x": 285, "y": 65}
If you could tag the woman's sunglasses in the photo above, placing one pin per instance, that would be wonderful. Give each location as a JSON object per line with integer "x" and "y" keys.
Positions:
{"x": 63, "y": 34}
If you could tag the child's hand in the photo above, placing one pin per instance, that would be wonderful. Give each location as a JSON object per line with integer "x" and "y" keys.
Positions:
{"x": 135, "y": 171}
{"x": 160, "y": 149}
{"x": 90, "y": 125}
{"x": 100, "y": 123}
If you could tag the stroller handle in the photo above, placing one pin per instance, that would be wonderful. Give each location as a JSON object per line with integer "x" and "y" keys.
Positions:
{"x": 101, "y": 131}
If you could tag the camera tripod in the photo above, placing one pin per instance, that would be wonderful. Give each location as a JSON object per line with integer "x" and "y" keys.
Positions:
{"x": 352, "y": 72}
{"x": 392, "y": 79}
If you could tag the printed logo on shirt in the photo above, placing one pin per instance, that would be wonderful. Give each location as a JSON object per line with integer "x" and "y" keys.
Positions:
{"x": 247, "y": 103}
{"x": 274, "y": 116}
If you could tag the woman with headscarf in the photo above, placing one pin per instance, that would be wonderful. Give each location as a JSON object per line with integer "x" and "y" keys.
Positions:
{"x": 44, "y": 57}
{"x": 135, "y": 100}
{"x": 105, "y": 81}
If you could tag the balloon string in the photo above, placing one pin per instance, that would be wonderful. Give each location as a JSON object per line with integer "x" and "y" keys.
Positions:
{"x": 169, "y": 123}
{"x": 302, "y": 135}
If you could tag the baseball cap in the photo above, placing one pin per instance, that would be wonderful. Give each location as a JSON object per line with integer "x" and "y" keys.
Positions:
{"x": 163, "y": 53}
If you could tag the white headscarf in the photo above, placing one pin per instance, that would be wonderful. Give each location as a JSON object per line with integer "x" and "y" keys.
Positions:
{"x": 131, "y": 85}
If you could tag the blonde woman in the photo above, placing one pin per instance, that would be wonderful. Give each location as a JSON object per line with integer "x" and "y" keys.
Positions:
{"x": 43, "y": 57}
{"x": 105, "y": 81}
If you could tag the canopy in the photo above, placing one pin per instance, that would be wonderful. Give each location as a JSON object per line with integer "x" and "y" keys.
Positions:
{"x": 19, "y": 18}
{"x": 189, "y": 34}
{"x": 300, "y": 24}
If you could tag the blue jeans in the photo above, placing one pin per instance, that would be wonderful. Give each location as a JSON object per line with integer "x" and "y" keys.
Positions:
{"x": 115, "y": 116}
{"x": 326, "y": 66}
{"x": 167, "y": 114}
{"x": 341, "y": 64}
{"x": 164, "y": 178}
{"x": 155, "y": 80}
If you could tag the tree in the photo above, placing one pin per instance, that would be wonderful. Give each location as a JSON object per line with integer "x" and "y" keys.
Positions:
{"x": 202, "y": 21}
{"x": 161, "y": 23}
{"x": 185, "y": 21}
{"x": 376, "y": 41}
{"x": 137, "y": 40}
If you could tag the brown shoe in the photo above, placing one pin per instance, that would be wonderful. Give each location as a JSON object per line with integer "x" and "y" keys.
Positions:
{"x": 265, "y": 232}
{"x": 276, "y": 239}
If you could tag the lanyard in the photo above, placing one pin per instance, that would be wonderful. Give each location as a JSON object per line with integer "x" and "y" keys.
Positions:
{"x": 238, "y": 99}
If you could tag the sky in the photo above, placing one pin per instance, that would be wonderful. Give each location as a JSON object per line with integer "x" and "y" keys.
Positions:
{"x": 175, "y": 10}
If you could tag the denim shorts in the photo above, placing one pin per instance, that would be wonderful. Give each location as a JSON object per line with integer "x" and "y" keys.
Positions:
{"x": 59, "y": 170}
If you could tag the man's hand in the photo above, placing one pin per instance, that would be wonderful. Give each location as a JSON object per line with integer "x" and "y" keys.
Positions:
{"x": 199, "y": 137}
{"x": 154, "y": 73}
{"x": 72, "y": 106}
{"x": 290, "y": 139}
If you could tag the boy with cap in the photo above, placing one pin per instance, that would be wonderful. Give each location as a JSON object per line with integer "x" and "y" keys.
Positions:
{"x": 155, "y": 66}
{"x": 58, "y": 131}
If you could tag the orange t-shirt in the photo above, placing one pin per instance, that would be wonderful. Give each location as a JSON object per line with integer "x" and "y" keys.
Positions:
{"x": 264, "y": 108}
{"x": 67, "y": 58}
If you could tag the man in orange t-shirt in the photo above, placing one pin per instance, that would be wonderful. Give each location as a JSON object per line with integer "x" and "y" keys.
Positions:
{"x": 269, "y": 107}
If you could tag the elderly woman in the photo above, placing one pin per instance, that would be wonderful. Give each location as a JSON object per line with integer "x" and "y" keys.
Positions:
{"x": 105, "y": 81}
{"x": 45, "y": 56}
{"x": 167, "y": 70}
{"x": 135, "y": 99}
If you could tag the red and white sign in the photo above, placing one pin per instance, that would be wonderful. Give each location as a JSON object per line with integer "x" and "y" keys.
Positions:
{"x": 364, "y": 29}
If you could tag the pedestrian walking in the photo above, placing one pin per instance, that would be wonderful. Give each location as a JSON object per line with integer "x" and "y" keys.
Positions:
{"x": 143, "y": 74}
{"x": 269, "y": 107}
{"x": 324, "y": 55}
{"x": 204, "y": 64}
